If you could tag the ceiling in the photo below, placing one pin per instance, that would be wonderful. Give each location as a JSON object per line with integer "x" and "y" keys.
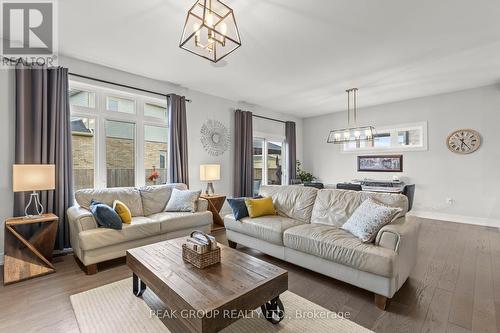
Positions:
{"x": 298, "y": 57}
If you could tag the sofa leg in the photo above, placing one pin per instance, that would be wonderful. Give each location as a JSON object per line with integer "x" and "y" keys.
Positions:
{"x": 381, "y": 301}
{"x": 91, "y": 269}
{"x": 232, "y": 244}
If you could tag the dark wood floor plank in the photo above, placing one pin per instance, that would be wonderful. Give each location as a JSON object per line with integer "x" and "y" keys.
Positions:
{"x": 483, "y": 317}
{"x": 451, "y": 268}
{"x": 494, "y": 237}
{"x": 452, "y": 328}
{"x": 463, "y": 299}
{"x": 436, "y": 320}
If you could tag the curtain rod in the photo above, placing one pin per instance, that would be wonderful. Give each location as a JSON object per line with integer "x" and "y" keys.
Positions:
{"x": 121, "y": 85}
{"x": 271, "y": 119}
{"x": 15, "y": 61}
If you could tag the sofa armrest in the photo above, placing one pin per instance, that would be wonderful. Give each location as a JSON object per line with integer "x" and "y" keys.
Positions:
{"x": 201, "y": 205}
{"x": 394, "y": 235}
{"x": 81, "y": 218}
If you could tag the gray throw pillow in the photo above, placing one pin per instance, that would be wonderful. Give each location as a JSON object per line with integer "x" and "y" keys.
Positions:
{"x": 183, "y": 201}
{"x": 368, "y": 219}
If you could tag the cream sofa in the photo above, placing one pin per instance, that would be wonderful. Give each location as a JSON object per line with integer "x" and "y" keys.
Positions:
{"x": 306, "y": 232}
{"x": 150, "y": 224}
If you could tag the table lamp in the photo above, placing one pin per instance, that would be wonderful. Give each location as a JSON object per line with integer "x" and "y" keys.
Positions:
{"x": 209, "y": 173}
{"x": 33, "y": 177}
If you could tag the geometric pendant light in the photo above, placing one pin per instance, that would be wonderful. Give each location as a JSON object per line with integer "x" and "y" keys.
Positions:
{"x": 210, "y": 30}
{"x": 353, "y": 132}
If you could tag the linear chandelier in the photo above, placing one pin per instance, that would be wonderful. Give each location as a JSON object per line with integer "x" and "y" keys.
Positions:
{"x": 353, "y": 132}
{"x": 210, "y": 30}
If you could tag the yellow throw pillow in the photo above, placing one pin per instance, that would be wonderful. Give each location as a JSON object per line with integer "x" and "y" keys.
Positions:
{"x": 122, "y": 211}
{"x": 260, "y": 207}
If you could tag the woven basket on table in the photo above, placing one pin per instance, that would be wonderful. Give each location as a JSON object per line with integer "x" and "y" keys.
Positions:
{"x": 201, "y": 260}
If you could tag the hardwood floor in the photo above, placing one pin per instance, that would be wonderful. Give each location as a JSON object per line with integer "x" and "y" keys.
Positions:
{"x": 455, "y": 287}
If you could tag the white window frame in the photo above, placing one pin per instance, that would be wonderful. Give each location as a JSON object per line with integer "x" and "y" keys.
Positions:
{"x": 274, "y": 138}
{"x": 100, "y": 114}
{"x": 396, "y": 148}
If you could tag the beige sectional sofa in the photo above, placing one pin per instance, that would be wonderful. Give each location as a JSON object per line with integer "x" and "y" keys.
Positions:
{"x": 150, "y": 223}
{"x": 306, "y": 232}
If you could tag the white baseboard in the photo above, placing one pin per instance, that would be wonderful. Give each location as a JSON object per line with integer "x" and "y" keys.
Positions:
{"x": 483, "y": 221}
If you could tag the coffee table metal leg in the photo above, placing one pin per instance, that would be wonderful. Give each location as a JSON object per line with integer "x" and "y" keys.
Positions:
{"x": 273, "y": 311}
{"x": 138, "y": 287}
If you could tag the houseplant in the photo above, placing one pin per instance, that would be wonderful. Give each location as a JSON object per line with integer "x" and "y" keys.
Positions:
{"x": 304, "y": 176}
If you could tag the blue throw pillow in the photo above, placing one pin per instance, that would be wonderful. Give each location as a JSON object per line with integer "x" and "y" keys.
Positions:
{"x": 239, "y": 208}
{"x": 105, "y": 216}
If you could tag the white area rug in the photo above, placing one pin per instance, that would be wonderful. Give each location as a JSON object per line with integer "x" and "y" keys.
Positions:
{"x": 113, "y": 308}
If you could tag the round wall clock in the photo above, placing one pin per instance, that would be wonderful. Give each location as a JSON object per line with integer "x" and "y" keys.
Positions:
{"x": 464, "y": 141}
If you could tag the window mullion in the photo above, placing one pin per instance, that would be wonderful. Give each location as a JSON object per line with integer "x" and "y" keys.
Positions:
{"x": 101, "y": 148}
{"x": 140, "y": 145}
{"x": 264, "y": 164}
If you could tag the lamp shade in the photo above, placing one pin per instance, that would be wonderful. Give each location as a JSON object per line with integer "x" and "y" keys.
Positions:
{"x": 33, "y": 177}
{"x": 209, "y": 172}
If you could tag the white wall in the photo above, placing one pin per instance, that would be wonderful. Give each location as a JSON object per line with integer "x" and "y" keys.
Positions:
{"x": 472, "y": 181}
{"x": 203, "y": 107}
{"x": 7, "y": 103}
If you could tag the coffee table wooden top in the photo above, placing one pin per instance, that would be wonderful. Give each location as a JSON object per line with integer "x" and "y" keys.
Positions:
{"x": 238, "y": 282}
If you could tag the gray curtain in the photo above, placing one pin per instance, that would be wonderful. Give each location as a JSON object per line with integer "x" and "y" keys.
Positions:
{"x": 243, "y": 154}
{"x": 178, "y": 149}
{"x": 43, "y": 136}
{"x": 291, "y": 143}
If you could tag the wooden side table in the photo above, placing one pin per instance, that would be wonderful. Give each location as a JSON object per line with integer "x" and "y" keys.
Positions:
{"x": 215, "y": 203}
{"x": 28, "y": 258}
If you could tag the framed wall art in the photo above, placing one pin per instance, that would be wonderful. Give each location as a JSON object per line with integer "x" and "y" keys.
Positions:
{"x": 380, "y": 163}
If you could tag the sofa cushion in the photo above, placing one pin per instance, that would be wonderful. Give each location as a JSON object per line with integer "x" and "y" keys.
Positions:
{"x": 155, "y": 197}
{"x": 105, "y": 215}
{"x": 141, "y": 227}
{"x": 122, "y": 210}
{"x": 128, "y": 195}
{"x": 183, "y": 201}
{"x": 334, "y": 207}
{"x": 292, "y": 201}
{"x": 368, "y": 218}
{"x": 339, "y": 246}
{"x": 173, "y": 221}
{"x": 267, "y": 228}
{"x": 260, "y": 207}
{"x": 239, "y": 207}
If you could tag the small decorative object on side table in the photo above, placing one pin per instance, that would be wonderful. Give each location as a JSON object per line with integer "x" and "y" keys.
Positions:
{"x": 28, "y": 258}
{"x": 215, "y": 203}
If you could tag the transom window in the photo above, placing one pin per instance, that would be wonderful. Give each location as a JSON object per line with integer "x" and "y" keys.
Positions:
{"x": 119, "y": 138}
{"x": 405, "y": 137}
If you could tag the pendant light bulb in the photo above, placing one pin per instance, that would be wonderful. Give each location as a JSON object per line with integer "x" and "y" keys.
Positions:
{"x": 223, "y": 29}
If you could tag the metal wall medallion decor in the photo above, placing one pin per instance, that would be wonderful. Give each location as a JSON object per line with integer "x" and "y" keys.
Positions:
{"x": 214, "y": 137}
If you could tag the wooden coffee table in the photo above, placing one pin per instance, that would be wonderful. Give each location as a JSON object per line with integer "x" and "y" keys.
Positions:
{"x": 207, "y": 300}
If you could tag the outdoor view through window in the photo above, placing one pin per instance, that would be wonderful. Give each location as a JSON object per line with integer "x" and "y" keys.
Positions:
{"x": 119, "y": 139}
